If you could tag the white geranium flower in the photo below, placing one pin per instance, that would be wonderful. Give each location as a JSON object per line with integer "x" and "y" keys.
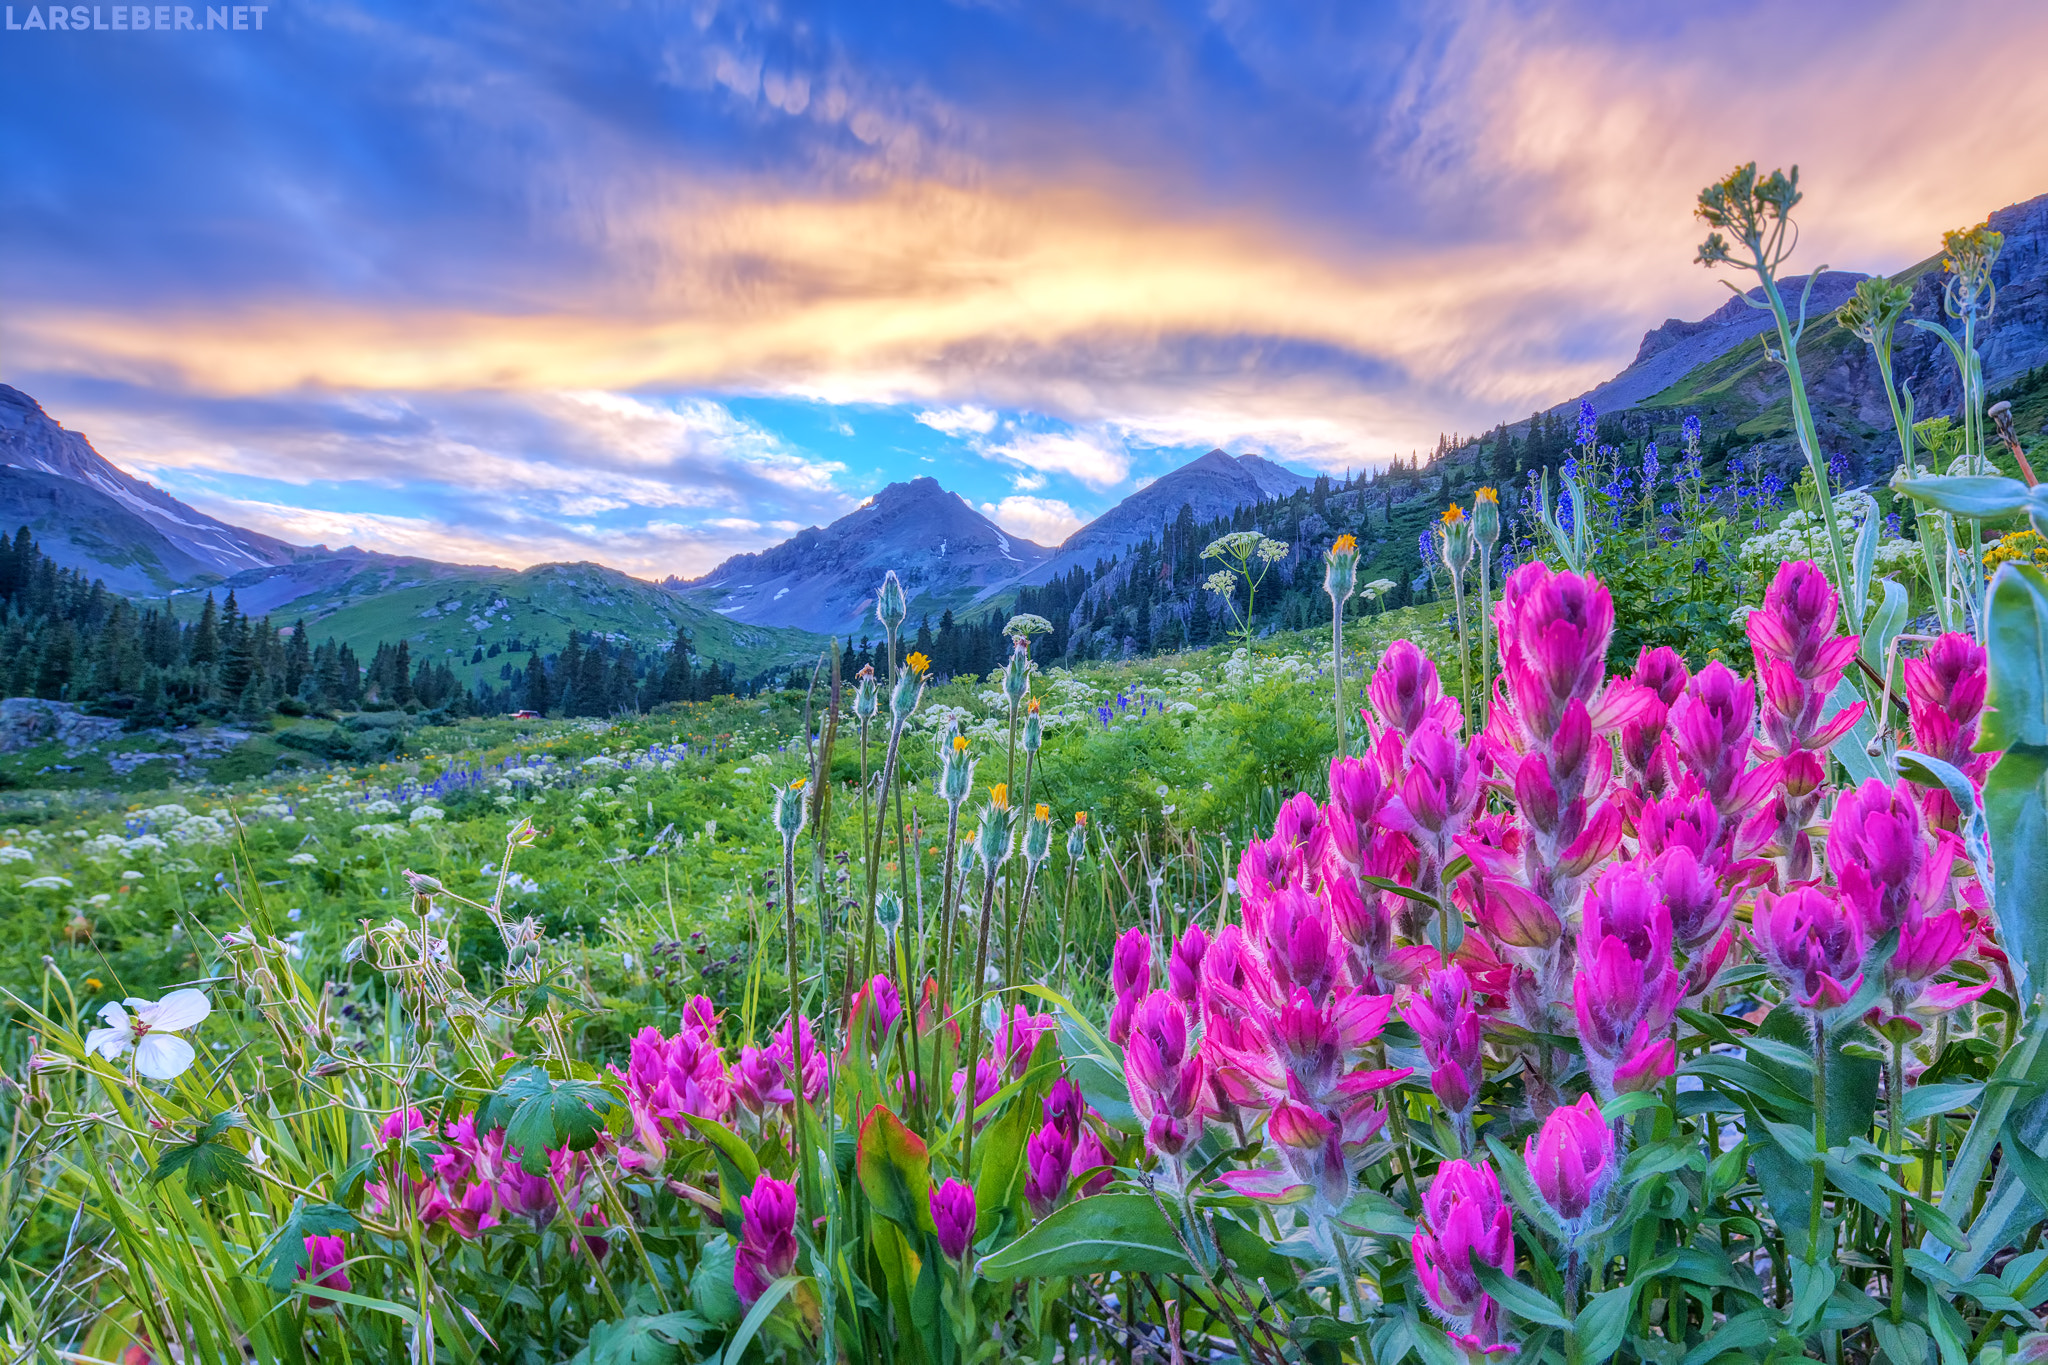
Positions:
{"x": 152, "y": 1031}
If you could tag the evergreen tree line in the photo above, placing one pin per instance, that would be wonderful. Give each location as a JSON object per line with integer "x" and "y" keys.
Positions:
{"x": 64, "y": 637}
{"x": 593, "y": 676}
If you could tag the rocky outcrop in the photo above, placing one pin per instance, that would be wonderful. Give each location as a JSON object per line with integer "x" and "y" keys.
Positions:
{"x": 26, "y": 722}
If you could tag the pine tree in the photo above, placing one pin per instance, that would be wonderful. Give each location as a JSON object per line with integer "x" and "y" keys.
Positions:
{"x": 204, "y": 647}
{"x": 402, "y": 693}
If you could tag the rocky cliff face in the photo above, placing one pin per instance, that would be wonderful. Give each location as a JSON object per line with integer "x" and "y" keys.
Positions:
{"x": 824, "y": 578}
{"x": 89, "y": 515}
{"x": 1668, "y": 353}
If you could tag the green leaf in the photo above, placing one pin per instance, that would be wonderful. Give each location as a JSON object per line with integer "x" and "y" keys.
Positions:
{"x": 1603, "y": 1323}
{"x": 894, "y": 1171}
{"x": 1978, "y": 496}
{"x": 1925, "y": 1101}
{"x": 1852, "y": 750}
{"x": 642, "y": 1340}
{"x": 1812, "y": 1284}
{"x": 1794, "y": 1141}
{"x": 711, "y": 1287}
{"x": 209, "y": 1164}
{"x": 2016, "y": 637}
{"x": 286, "y": 1257}
{"x": 1528, "y": 1304}
{"x": 539, "y": 1112}
{"x": 736, "y": 1349}
{"x": 1741, "y": 1334}
{"x": 1521, "y": 1188}
{"x": 1903, "y": 1343}
{"x": 1094, "y": 1236}
{"x": 2016, "y": 817}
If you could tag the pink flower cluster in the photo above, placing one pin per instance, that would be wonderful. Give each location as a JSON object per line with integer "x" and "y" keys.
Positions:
{"x": 478, "y": 1182}
{"x": 1614, "y": 827}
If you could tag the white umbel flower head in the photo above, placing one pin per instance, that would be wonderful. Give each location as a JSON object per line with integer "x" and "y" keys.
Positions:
{"x": 152, "y": 1032}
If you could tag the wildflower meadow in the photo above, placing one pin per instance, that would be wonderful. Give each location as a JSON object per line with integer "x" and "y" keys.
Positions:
{"x": 1635, "y": 954}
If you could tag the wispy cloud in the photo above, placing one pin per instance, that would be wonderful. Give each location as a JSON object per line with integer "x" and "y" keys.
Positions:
{"x": 440, "y": 272}
{"x": 1047, "y": 521}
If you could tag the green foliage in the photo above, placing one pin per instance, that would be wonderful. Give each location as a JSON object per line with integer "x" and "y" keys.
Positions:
{"x": 209, "y": 1164}
{"x": 539, "y": 1112}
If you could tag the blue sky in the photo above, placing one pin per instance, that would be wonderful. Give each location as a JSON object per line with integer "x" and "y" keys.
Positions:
{"x": 654, "y": 283}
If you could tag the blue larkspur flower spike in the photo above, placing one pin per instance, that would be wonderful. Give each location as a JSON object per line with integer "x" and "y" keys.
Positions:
{"x": 1650, "y": 465}
{"x": 1589, "y": 423}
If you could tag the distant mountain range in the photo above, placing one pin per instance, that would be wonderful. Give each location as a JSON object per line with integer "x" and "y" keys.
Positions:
{"x": 771, "y": 606}
{"x": 89, "y": 515}
{"x": 951, "y": 557}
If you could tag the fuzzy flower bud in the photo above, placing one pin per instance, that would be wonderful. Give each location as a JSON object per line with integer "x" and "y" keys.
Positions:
{"x": 791, "y": 813}
{"x": 996, "y": 836}
{"x": 1572, "y": 1162}
{"x": 1038, "y": 835}
{"x": 889, "y": 915}
{"x": 892, "y": 607}
{"x": 1486, "y": 519}
{"x": 865, "y": 696}
{"x": 1077, "y": 838}
{"x": 1340, "y": 569}
{"x": 903, "y": 698}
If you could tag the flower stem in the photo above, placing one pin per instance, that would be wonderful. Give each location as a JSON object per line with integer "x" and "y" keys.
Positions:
{"x": 1820, "y": 1140}
{"x": 1898, "y": 1146}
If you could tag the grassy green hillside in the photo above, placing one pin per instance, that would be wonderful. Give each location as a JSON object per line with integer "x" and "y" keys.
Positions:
{"x": 449, "y": 612}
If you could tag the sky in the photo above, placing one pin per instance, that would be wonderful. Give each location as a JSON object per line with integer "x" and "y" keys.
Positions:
{"x": 506, "y": 281}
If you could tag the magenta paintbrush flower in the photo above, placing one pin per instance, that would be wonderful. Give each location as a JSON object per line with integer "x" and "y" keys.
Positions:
{"x": 324, "y": 1267}
{"x": 1184, "y": 964}
{"x": 874, "y": 1010}
{"x": 1465, "y": 1222}
{"x": 1405, "y": 691}
{"x": 1016, "y": 1038}
{"x": 1647, "y": 750}
{"x": 1627, "y": 990}
{"x": 1357, "y": 791}
{"x": 1445, "y": 1020}
{"x": 1945, "y": 691}
{"x": 1572, "y": 1162}
{"x": 767, "y": 1248}
{"x": 1887, "y": 865}
{"x": 953, "y": 1217}
{"x": 1813, "y": 943}
{"x": 1928, "y": 947}
{"x": 1164, "y": 1075}
{"x": 1130, "y": 976}
{"x": 1713, "y": 725}
{"x": 1048, "y": 1159}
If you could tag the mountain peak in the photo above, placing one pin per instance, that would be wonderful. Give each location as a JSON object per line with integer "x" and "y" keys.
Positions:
{"x": 824, "y": 577}
{"x": 90, "y": 516}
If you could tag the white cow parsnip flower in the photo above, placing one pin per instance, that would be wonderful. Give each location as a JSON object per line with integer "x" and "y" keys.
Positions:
{"x": 152, "y": 1031}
